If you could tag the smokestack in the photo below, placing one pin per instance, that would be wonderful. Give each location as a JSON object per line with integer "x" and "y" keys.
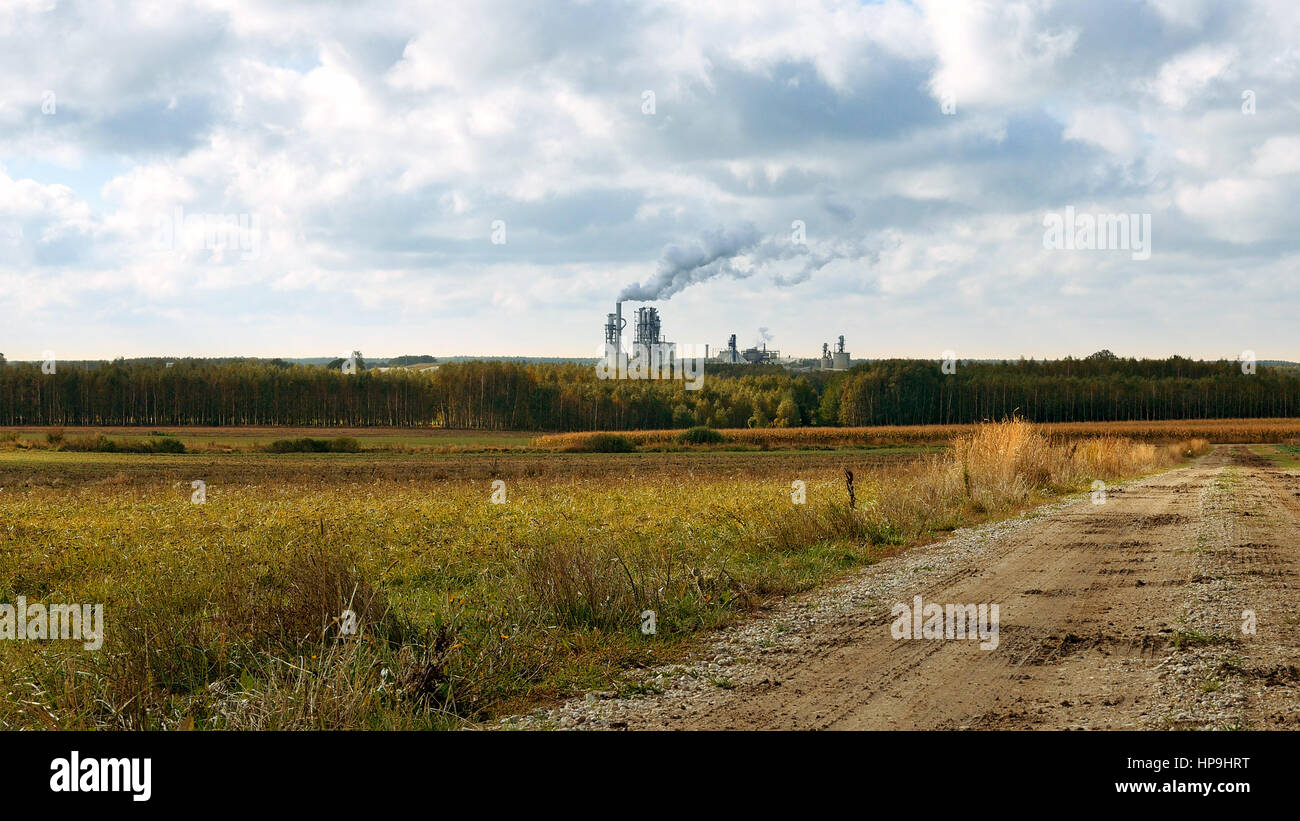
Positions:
{"x": 614, "y": 334}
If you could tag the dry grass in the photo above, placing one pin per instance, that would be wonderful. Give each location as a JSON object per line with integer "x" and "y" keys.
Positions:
{"x": 226, "y": 615}
{"x": 767, "y": 437}
{"x": 991, "y": 469}
{"x": 1005, "y": 463}
{"x": 1158, "y": 432}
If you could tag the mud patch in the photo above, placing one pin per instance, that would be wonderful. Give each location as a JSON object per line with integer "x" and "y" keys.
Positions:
{"x": 1053, "y": 649}
{"x": 1157, "y": 520}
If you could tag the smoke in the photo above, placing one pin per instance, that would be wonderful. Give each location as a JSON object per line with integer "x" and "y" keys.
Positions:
{"x": 683, "y": 265}
{"x": 764, "y": 335}
{"x": 715, "y": 254}
{"x": 818, "y": 258}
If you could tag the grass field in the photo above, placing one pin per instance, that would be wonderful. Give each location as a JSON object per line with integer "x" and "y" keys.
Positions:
{"x": 229, "y": 614}
{"x": 1158, "y": 431}
{"x": 1283, "y": 456}
{"x": 222, "y": 440}
{"x": 23, "y": 468}
{"x": 884, "y": 440}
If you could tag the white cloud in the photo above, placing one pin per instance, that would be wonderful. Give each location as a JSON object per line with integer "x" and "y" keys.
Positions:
{"x": 376, "y": 144}
{"x": 1240, "y": 210}
{"x": 1181, "y": 13}
{"x": 1188, "y": 74}
{"x": 1277, "y": 156}
{"x": 1104, "y": 126}
{"x": 995, "y": 53}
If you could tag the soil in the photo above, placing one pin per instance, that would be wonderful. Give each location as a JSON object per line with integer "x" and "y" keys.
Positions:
{"x": 1130, "y": 614}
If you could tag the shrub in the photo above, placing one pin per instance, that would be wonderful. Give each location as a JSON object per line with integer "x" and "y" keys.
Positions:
{"x": 343, "y": 444}
{"x": 303, "y": 445}
{"x": 340, "y": 444}
{"x": 103, "y": 444}
{"x": 91, "y": 444}
{"x": 603, "y": 443}
{"x": 166, "y": 446}
{"x": 700, "y": 435}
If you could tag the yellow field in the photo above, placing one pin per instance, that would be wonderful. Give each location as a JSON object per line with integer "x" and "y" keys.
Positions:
{"x": 1159, "y": 431}
{"x": 230, "y": 613}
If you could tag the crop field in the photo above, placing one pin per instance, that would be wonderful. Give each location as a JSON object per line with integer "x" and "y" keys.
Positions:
{"x": 342, "y": 590}
{"x": 1158, "y": 431}
{"x": 233, "y": 439}
{"x": 23, "y": 468}
{"x": 894, "y": 440}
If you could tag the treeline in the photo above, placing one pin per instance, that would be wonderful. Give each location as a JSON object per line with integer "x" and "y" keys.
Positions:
{"x": 501, "y": 395}
{"x": 1069, "y": 390}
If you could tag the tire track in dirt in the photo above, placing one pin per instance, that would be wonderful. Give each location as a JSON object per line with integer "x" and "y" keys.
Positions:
{"x": 1248, "y": 564}
{"x": 1089, "y": 630}
{"x": 1123, "y": 615}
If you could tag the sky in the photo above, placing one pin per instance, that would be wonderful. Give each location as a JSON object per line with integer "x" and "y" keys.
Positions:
{"x": 231, "y": 178}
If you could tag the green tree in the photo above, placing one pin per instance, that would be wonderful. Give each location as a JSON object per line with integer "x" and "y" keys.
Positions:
{"x": 787, "y": 413}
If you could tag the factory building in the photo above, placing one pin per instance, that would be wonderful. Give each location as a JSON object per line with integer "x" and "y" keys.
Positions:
{"x": 760, "y": 356}
{"x": 836, "y": 361}
{"x": 649, "y": 345}
{"x": 730, "y": 355}
{"x": 649, "y": 330}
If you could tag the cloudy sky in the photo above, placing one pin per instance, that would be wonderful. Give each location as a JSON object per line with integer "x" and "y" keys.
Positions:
{"x": 288, "y": 178}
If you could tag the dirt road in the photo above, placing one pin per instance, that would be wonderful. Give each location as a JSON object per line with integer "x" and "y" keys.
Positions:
{"x": 1124, "y": 615}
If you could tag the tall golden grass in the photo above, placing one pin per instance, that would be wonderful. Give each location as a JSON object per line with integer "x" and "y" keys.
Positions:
{"x": 990, "y": 469}
{"x": 1246, "y": 431}
{"x": 1005, "y": 462}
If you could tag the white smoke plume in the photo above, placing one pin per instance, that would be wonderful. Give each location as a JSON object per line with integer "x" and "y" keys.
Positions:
{"x": 683, "y": 265}
{"x": 716, "y": 252}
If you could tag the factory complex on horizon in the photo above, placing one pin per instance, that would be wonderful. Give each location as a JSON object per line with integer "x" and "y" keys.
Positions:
{"x": 648, "y": 343}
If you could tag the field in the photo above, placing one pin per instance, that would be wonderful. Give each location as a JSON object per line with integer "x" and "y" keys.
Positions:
{"x": 1283, "y": 456}
{"x": 231, "y": 613}
{"x": 61, "y": 469}
{"x": 427, "y": 442}
{"x": 1159, "y": 431}
{"x": 228, "y": 440}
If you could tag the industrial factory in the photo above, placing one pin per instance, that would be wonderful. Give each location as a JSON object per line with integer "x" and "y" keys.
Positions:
{"x": 648, "y": 341}
{"x": 648, "y": 338}
{"x": 749, "y": 356}
{"x": 838, "y": 361}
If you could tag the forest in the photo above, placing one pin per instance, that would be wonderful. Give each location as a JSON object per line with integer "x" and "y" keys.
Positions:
{"x": 506, "y": 395}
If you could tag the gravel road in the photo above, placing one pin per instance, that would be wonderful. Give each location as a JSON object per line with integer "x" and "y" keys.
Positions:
{"x": 1130, "y": 614}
